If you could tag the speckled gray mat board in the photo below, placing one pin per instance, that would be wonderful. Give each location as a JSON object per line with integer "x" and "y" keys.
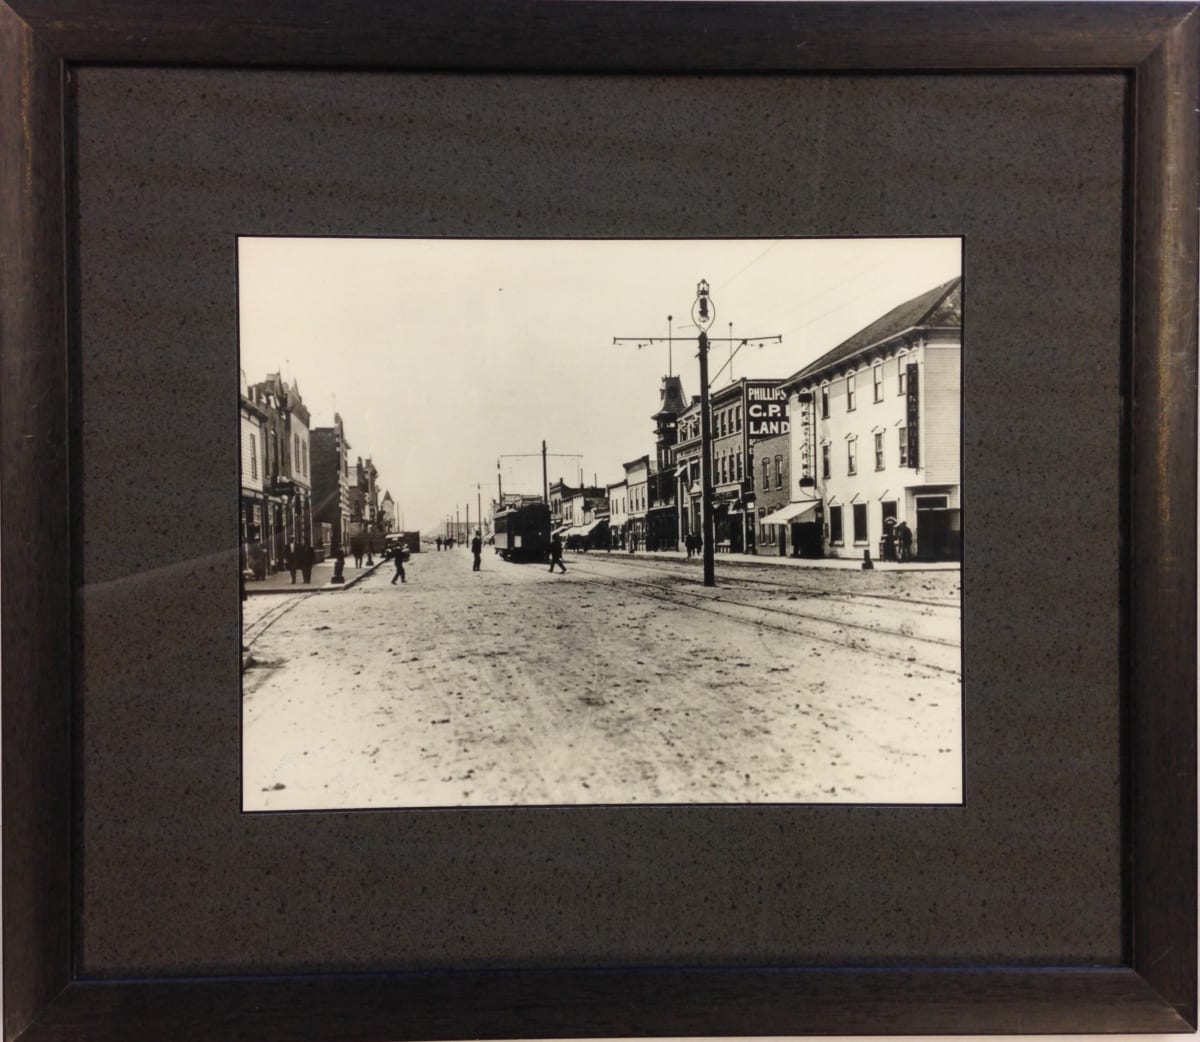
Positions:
{"x": 173, "y": 164}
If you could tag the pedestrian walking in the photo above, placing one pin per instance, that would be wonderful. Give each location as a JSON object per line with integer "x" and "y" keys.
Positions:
{"x": 399, "y": 555}
{"x": 308, "y": 557}
{"x": 556, "y": 553}
{"x": 904, "y": 538}
{"x": 292, "y": 559}
{"x": 477, "y": 550}
{"x": 356, "y": 551}
{"x": 439, "y": 544}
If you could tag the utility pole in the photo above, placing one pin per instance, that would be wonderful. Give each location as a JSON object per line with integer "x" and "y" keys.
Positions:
{"x": 479, "y": 505}
{"x": 545, "y": 479}
{"x": 704, "y": 313}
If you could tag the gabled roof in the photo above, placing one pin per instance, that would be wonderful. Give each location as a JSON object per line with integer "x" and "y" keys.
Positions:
{"x": 938, "y": 307}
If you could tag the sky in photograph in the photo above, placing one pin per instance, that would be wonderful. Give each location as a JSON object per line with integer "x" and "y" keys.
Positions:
{"x": 446, "y": 358}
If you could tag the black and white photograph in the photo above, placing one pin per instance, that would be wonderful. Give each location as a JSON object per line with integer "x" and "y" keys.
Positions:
{"x": 569, "y": 522}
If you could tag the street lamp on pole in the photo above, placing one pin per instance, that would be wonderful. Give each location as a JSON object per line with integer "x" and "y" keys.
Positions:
{"x": 704, "y": 313}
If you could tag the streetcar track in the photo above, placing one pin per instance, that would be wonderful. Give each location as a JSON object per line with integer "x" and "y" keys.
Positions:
{"x": 703, "y": 604}
{"x": 880, "y": 630}
{"x": 794, "y": 588}
{"x": 255, "y": 630}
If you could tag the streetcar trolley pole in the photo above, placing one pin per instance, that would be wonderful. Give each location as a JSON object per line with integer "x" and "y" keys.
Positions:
{"x": 704, "y": 313}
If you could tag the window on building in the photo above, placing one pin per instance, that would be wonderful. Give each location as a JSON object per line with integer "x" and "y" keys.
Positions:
{"x": 860, "y": 522}
{"x": 850, "y": 395}
{"x": 695, "y": 472}
{"x": 852, "y": 456}
{"x": 740, "y": 472}
{"x": 902, "y": 379}
{"x": 295, "y": 467}
{"x": 779, "y": 472}
{"x": 879, "y": 450}
{"x": 877, "y": 377}
{"x": 835, "y": 525}
{"x": 824, "y": 461}
{"x": 253, "y": 456}
{"x": 766, "y": 475}
{"x": 825, "y": 401}
{"x": 737, "y": 418}
{"x": 304, "y": 454}
{"x": 904, "y": 446}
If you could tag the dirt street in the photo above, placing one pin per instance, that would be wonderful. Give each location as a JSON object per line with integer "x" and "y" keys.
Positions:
{"x": 623, "y": 681}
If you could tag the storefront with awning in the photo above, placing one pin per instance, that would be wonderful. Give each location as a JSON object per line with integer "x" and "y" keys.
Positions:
{"x": 794, "y": 513}
{"x": 593, "y": 535}
{"x": 801, "y": 520}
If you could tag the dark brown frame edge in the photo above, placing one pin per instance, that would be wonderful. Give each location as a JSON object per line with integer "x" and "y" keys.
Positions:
{"x": 1156, "y": 44}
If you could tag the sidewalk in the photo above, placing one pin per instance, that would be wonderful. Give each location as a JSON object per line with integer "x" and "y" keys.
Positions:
{"x": 322, "y": 574}
{"x": 773, "y": 559}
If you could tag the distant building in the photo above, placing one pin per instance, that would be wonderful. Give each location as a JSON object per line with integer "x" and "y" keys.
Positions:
{"x": 331, "y": 481}
{"x": 883, "y": 412}
{"x": 364, "y": 498}
{"x": 686, "y": 462}
{"x": 618, "y": 514}
{"x": 744, "y": 413}
{"x": 586, "y": 512}
{"x": 287, "y": 478}
{"x": 637, "y": 483}
{"x": 558, "y": 491}
{"x": 387, "y": 513}
{"x": 254, "y": 507}
{"x": 772, "y": 491}
{"x": 662, "y": 513}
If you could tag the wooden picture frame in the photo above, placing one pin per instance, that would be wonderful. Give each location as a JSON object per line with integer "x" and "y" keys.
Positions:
{"x": 1157, "y": 45}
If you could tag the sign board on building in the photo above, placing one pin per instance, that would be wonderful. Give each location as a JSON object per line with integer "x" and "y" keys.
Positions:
{"x": 766, "y": 410}
{"x": 913, "y": 415}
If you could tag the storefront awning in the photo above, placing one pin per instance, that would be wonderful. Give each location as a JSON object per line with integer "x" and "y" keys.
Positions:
{"x": 589, "y": 529}
{"x": 805, "y": 510}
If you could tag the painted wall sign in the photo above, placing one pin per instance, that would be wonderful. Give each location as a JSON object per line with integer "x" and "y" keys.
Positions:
{"x": 766, "y": 411}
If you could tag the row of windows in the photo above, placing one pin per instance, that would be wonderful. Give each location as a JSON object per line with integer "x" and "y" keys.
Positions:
{"x": 766, "y": 473}
{"x": 299, "y": 454}
{"x": 728, "y": 468}
{"x": 852, "y": 453}
{"x": 858, "y": 521}
{"x": 877, "y": 388}
{"x": 725, "y": 421}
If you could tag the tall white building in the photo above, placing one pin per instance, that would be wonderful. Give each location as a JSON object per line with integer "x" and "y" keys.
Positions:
{"x": 876, "y": 432}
